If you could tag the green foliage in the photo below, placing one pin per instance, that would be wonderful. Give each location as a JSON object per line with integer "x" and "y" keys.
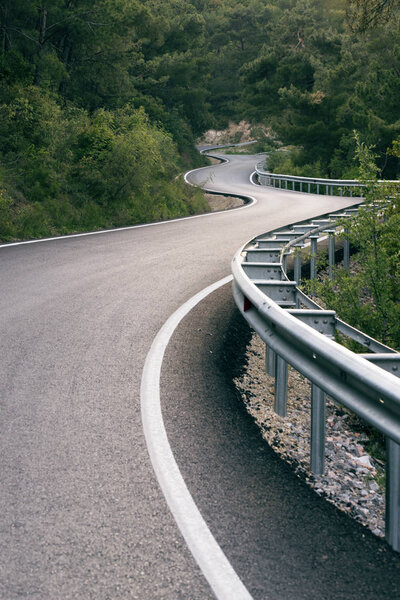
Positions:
{"x": 98, "y": 106}
{"x": 315, "y": 81}
{"x": 5, "y": 214}
{"x": 69, "y": 170}
{"x": 93, "y": 93}
{"x": 290, "y": 161}
{"x": 366, "y": 14}
{"x": 368, "y": 297}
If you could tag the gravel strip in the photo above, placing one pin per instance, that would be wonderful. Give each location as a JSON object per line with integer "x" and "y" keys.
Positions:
{"x": 353, "y": 480}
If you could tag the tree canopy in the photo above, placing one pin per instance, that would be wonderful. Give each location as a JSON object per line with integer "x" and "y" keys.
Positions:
{"x": 89, "y": 88}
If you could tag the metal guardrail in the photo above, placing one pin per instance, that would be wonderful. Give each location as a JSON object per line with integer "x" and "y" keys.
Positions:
{"x": 298, "y": 332}
{"x": 295, "y": 183}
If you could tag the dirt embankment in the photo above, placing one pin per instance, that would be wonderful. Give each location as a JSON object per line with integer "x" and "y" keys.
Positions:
{"x": 235, "y": 133}
{"x": 223, "y": 202}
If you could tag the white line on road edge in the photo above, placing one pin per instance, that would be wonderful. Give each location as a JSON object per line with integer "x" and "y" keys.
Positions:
{"x": 103, "y": 231}
{"x": 216, "y": 568}
{"x": 77, "y": 235}
{"x": 251, "y": 202}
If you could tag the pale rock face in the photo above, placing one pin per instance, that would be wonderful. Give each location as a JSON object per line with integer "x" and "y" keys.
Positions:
{"x": 234, "y": 133}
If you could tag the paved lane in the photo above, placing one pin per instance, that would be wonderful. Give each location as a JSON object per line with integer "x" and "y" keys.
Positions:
{"x": 284, "y": 541}
{"x": 81, "y": 513}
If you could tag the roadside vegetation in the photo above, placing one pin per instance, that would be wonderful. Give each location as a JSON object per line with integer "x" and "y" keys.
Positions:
{"x": 324, "y": 70}
{"x": 101, "y": 103}
{"x": 368, "y": 295}
{"x": 98, "y": 113}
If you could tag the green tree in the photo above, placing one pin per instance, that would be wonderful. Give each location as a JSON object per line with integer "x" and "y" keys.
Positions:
{"x": 368, "y": 298}
{"x": 366, "y": 14}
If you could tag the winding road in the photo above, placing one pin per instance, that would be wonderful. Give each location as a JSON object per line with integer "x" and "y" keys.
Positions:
{"x": 82, "y": 515}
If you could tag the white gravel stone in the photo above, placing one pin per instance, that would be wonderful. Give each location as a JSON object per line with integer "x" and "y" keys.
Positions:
{"x": 351, "y": 478}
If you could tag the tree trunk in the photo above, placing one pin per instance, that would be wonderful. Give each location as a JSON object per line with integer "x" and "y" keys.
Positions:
{"x": 6, "y": 39}
{"x": 42, "y": 39}
{"x": 66, "y": 57}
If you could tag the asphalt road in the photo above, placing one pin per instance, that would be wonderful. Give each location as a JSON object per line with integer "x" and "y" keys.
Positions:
{"x": 81, "y": 513}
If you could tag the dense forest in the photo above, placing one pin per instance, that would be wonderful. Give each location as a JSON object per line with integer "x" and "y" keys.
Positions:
{"x": 101, "y": 102}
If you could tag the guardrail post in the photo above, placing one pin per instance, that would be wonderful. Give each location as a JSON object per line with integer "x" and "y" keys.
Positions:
{"x": 309, "y": 187}
{"x": 314, "y": 251}
{"x": 393, "y": 494}
{"x": 297, "y": 265}
{"x": 346, "y": 254}
{"x": 331, "y": 252}
{"x": 317, "y": 188}
{"x": 317, "y": 450}
{"x": 297, "y": 269}
{"x": 284, "y": 261}
{"x": 281, "y": 378}
{"x": 270, "y": 360}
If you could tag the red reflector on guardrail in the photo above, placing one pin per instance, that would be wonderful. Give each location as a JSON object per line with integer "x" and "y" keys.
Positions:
{"x": 247, "y": 304}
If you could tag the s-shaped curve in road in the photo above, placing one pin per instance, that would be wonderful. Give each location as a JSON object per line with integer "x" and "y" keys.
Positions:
{"x": 82, "y": 515}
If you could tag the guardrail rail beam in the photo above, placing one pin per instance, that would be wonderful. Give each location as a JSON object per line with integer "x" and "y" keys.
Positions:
{"x": 367, "y": 384}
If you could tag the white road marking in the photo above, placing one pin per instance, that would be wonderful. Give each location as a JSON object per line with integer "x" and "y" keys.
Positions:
{"x": 216, "y": 568}
{"x": 77, "y": 235}
{"x": 212, "y": 191}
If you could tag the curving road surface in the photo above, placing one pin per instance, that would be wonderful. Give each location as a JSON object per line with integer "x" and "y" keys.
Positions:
{"x": 81, "y": 513}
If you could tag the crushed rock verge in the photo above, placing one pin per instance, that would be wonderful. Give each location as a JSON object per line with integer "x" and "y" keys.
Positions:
{"x": 353, "y": 479}
{"x": 217, "y": 203}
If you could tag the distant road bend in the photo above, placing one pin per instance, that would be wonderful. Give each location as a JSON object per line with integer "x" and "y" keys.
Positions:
{"x": 82, "y": 514}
